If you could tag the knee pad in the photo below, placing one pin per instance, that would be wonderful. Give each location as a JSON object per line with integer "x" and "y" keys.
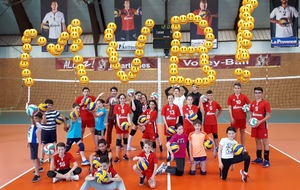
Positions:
{"x": 215, "y": 135}
{"x": 118, "y": 142}
{"x": 51, "y": 174}
{"x": 125, "y": 140}
{"x": 81, "y": 146}
{"x": 77, "y": 171}
{"x": 132, "y": 132}
{"x": 142, "y": 144}
{"x": 154, "y": 144}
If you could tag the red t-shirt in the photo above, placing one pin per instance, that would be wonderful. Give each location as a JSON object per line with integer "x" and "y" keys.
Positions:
{"x": 110, "y": 171}
{"x": 171, "y": 113}
{"x": 259, "y": 109}
{"x": 64, "y": 163}
{"x": 128, "y": 19}
{"x": 208, "y": 18}
{"x": 122, "y": 112}
{"x": 152, "y": 159}
{"x": 85, "y": 114}
{"x": 237, "y": 103}
{"x": 210, "y": 109}
{"x": 151, "y": 116}
{"x": 188, "y": 110}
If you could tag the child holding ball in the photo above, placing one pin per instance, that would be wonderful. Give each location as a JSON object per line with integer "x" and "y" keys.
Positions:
{"x": 151, "y": 158}
{"x": 100, "y": 115}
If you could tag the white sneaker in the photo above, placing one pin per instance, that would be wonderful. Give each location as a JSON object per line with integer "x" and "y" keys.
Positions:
{"x": 129, "y": 148}
{"x": 75, "y": 177}
{"x": 161, "y": 169}
{"x": 54, "y": 180}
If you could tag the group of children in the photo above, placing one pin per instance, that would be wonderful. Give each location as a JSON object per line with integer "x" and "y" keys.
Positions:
{"x": 189, "y": 135}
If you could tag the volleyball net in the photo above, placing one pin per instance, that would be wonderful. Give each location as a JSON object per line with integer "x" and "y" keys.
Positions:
{"x": 281, "y": 92}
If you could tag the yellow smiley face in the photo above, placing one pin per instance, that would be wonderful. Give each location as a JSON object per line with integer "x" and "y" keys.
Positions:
{"x": 24, "y": 64}
{"x": 77, "y": 59}
{"x": 42, "y": 41}
{"x": 28, "y": 82}
{"x": 75, "y": 22}
{"x": 26, "y": 73}
{"x": 25, "y": 57}
{"x": 84, "y": 80}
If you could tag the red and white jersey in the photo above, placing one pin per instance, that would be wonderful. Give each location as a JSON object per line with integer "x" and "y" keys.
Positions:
{"x": 85, "y": 114}
{"x": 128, "y": 19}
{"x": 151, "y": 116}
{"x": 151, "y": 158}
{"x": 63, "y": 163}
{"x": 237, "y": 102}
{"x": 259, "y": 109}
{"x": 210, "y": 109}
{"x": 122, "y": 111}
{"x": 170, "y": 113}
{"x": 188, "y": 110}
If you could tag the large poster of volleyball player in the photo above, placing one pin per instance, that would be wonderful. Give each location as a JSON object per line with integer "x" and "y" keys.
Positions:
{"x": 128, "y": 18}
{"x": 208, "y": 10}
{"x": 54, "y": 19}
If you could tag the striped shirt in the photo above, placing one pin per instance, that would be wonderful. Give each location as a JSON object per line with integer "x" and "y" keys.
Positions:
{"x": 50, "y": 120}
{"x": 32, "y": 133}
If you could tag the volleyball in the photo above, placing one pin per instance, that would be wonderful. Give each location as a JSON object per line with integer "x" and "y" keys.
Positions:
{"x": 43, "y": 107}
{"x": 174, "y": 147}
{"x": 284, "y": 21}
{"x": 253, "y": 121}
{"x": 124, "y": 126}
{"x": 246, "y": 108}
{"x": 86, "y": 100}
{"x": 237, "y": 149}
{"x": 171, "y": 130}
{"x": 91, "y": 106}
{"x": 74, "y": 115}
{"x": 142, "y": 119}
{"x": 203, "y": 98}
{"x": 101, "y": 176}
{"x": 208, "y": 144}
{"x": 130, "y": 92}
{"x": 31, "y": 110}
{"x": 49, "y": 148}
{"x": 59, "y": 120}
{"x": 154, "y": 95}
{"x": 142, "y": 165}
{"x": 96, "y": 162}
{"x": 193, "y": 116}
{"x": 113, "y": 101}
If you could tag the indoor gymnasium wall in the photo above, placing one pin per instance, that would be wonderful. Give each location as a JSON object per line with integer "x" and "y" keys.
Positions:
{"x": 14, "y": 95}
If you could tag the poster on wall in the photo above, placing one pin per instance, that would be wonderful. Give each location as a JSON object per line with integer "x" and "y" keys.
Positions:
{"x": 284, "y": 23}
{"x": 54, "y": 19}
{"x": 128, "y": 18}
{"x": 208, "y": 10}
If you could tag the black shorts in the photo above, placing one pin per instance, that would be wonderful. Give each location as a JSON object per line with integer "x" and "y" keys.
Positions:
{"x": 34, "y": 147}
{"x": 100, "y": 133}
{"x": 70, "y": 141}
{"x": 48, "y": 136}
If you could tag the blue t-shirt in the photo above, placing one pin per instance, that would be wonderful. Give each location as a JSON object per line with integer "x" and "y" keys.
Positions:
{"x": 75, "y": 129}
{"x": 99, "y": 121}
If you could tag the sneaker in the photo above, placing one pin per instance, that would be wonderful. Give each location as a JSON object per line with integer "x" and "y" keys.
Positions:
{"x": 266, "y": 164}
{"x": 41, "y": 160}
{"x": 78, "y": 151}
{"x": 125, "y": 157}
{"x": 41, "y": 169}
{"x": 36, "y": 178}
{"x": 75, "y": 177}
{"x": 244, "y": 176}
{"x": 257, "y": 161}
{"x": 129, "y": 148}
{"x": 161, "y": 169}
{"x": 142, "y": 180}
{"x": 117, "y": 160}
{"x": 202, "y": 172}
{"x": 54, "y": 180}
{"x": 161, "y": 148}
{"x": 192, "y": 172}
{"x": 85, "y": 163}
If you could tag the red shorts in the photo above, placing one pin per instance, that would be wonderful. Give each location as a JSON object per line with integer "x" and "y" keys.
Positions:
{"x": 119, "y": 131}
{"x": 88, "y": 123}
{"x": 210, "y": 129}
{"x": 188, "y": 130}
{"x": 149, "y": 136}
{"x": 239, "y": 123}
{"x": 147, "y": 173}
{"x": 260, "y": 132}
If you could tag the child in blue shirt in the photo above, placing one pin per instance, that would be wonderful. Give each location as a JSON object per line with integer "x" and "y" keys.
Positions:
{"x": 100, "y": 115}
{"x": 74, "y": 135}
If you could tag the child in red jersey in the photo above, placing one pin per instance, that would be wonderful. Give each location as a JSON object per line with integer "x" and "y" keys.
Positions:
{"x": 211, "y": 111}
{"x": 150, "y": 156}
{"x": 60, "y": 166}
{"x": 103, "y": 151}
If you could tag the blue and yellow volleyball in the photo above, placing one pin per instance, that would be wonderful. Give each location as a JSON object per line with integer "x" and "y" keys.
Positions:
{"x": 43, "y": 107}
{"x": 59, "y": 120}
{"x": 86, "y": 100}
{"x": 193, "y": 116}
{"x": 142, "y": 119}
{"x": 208, "y": 144}
{"x": 237, "y": 149}
{"x": 91, "y": 106}
{"x": 124, "y": 126}
{"x": 171, "y": 130}
{"x": 174, "y": 147}
{"x": 31, "y": 110}
{"x": 96, "y": 162}
{"x": 142, "y": 165}
{"x": 74, "y": 115}
{"x": 101, "y": 176}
